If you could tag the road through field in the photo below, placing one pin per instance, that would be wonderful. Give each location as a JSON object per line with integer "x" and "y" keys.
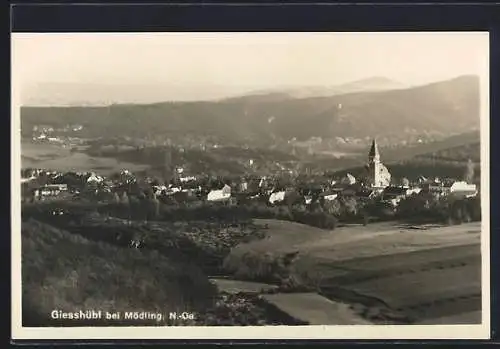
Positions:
{"x": 422, "y": 275}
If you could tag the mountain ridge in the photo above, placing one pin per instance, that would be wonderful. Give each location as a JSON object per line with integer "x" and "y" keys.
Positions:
{"x": 375, "y": 83}
{"x": 446, "y": 107}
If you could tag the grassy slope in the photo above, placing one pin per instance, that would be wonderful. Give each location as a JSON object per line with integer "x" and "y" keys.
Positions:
{"x": 68, "y": 272}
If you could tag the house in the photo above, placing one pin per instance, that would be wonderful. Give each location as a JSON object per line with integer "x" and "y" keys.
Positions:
{"x": 434, "y": 187}
{"x": 350, "y": 190}
{"x": 60, "y": 187}
{"x": 243, "y": 187}
{"x": 51, "y": 190}
{"x": 462, "y": 189}
{"x": 366, "y": 193}
{"x": 394, "y": 194}
{"x": 263, "y": 182}
{"x": 28, "y": 179}
{"x": 172, "y": 190}
{"x": 187, "y": 179}
{"x": 338, "y": 188}
{"x": 349, "y": 179}
{"x": 93, "y": 178}
{"x": 54, "y": 139}
{"x": 329, "y": 195}
{"x": 276, "y": 197}
{"x": 422, "y": 180}
{"x": 223, "y": 194}
{"x": 308, "y": 199}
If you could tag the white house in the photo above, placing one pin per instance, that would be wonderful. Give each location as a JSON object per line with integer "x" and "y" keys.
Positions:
{"x": 172, "y": 190}
{"x": 52, "y": 190}
{"x": 463, "y": 189}
{"x": 330, "y": 197}
{"x": 395, "y": 194}
{"x": 308, "y": 199}
{"x": 159, "y": 189}
{"x": 220, "y": 195}
{"x": 24, "y": 180}
{"x": 187, "y": 179}
{"x": 276, "y": 197}
{"x": 94, "y": 178}
{"x": 349, "y": 179}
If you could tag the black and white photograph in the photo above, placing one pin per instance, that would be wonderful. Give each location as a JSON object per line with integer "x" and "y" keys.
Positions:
{"x": 296, "y": 185}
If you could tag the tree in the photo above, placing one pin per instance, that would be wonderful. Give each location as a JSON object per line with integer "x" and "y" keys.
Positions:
{"x": 469, "y": 172}
{"x": 135, "y": 207}
{"x": 366, "y": 220}
{"x": 350, "y": 206}
{"x": 154, "y": 207}
{"x": 124, "y": 199}
{"x": 333, "y": 207}
{"x": 405, "y": 182}
{"x": 167, "y": 164}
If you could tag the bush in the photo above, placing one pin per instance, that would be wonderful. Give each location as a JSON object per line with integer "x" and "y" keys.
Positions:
{"x": 450, "y": 210}
{"x": 256, "y": 266}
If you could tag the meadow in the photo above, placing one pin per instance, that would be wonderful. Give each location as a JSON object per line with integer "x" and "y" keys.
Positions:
{"x": 56, "y": 157}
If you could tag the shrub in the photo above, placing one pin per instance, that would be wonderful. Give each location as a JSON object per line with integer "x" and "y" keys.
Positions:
{"x": 256, "y": 266}
{"x": 425, "y": 207}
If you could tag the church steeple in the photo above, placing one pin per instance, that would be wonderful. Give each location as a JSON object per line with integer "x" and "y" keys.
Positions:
{"x": 374, "y": 155}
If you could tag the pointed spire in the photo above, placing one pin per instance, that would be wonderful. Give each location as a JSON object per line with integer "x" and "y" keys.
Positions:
{"x": 374, "y": 154}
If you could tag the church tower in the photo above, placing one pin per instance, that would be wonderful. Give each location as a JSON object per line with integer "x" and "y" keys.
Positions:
{"x": 374, "y": 155}
{"x": 378, "y": 174}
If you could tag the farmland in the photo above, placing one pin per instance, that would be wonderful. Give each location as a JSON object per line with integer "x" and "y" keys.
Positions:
{"x": 56, "y": 157}
{"x": 389, "y": 273}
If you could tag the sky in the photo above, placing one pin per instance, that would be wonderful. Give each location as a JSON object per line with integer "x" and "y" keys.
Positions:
{"x": 139, "y": 67}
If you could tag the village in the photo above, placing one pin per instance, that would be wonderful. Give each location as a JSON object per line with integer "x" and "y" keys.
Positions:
{"x": 190, "y": 189}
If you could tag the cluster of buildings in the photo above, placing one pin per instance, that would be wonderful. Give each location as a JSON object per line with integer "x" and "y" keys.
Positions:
{"x": 376, "y": 183}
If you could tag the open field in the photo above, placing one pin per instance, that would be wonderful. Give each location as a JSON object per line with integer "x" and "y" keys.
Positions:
{"x": 55, "y": 157}
{"x": 315, "y": 309}
{"x": 416, "y": 274}
{"x": 357, "y": 241}
{"x": 237, "y": 286}
{"x": 464, "y": 318}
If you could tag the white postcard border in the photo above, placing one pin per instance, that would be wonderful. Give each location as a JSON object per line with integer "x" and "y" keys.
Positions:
{"x": 357, "y": 332}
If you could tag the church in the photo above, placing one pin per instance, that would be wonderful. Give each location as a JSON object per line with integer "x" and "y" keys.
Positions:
{"x": 378, "y": 175}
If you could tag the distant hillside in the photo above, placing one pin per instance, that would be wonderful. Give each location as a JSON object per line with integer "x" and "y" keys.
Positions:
{"x": 464, "y": 152}
{"x": 102, "y": 94}
{"x": 446, "y": 107}
{"x": 375, "y": 83}
{"x": 452, "y": 146}
{"x": 446, "y": 158}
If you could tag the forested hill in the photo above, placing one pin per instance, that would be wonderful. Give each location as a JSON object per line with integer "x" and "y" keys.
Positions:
{"x": 446, "y": 107}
